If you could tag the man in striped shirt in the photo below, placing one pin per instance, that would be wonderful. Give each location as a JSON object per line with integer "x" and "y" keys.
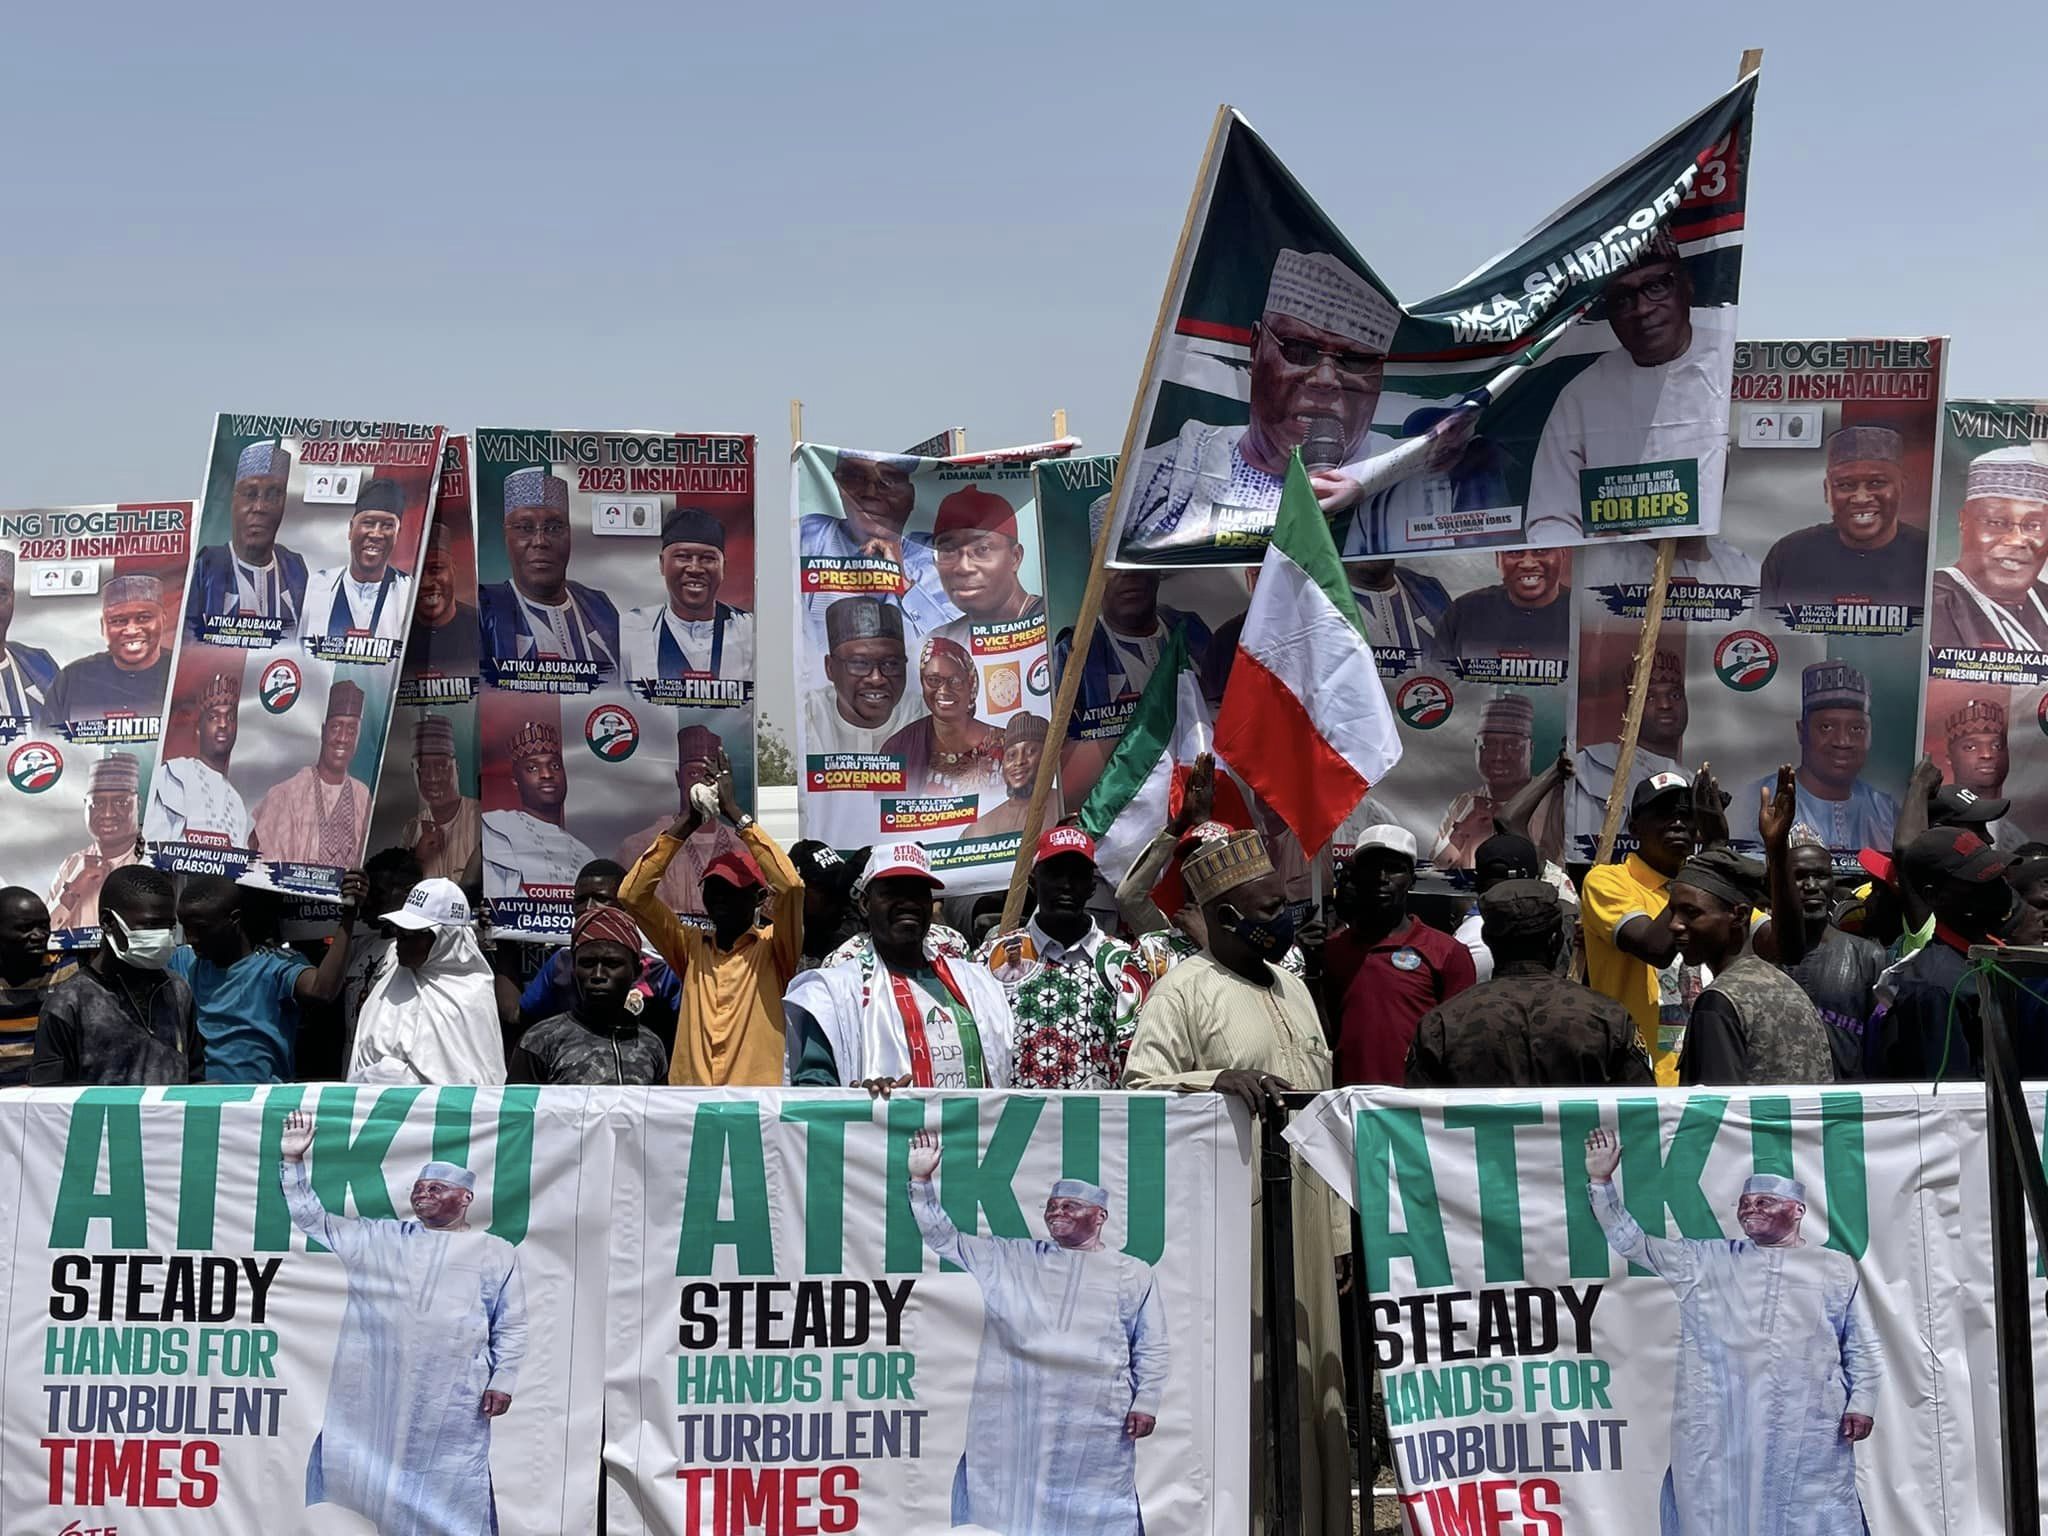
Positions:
{"x": 27, "y": 972}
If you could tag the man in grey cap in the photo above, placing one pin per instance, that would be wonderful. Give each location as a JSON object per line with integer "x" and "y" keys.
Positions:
{"x": 1864, "y": 551}
{"x": 320, "y": 814}
{"x": 252, "y": 575}
{"x": 866, "y": 669}
{"x": 27, "y": 672}
{"x": 369, "y": 595}
{"x": 434, "y": 1306}
{"x": 1071, "y": 1326}
{"x": 1834, "y": 744}
{"x": 540, "y": 614}
{"x": 132, "y": 675}
{"x": 111, "y": 813}
{"x": 692, "y": 634}
{"x": 1778, "y": 1364}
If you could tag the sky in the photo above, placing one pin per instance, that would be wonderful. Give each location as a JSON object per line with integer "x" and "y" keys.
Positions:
{"x": 910, "y": 216}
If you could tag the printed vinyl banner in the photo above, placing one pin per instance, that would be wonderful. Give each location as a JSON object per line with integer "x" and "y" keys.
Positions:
{"x": 1735, "y": 1311}
{"x": 987, "y": 1312}
{"x": 300, "y": 594}
{"x": 1795, "y": 635}
{"x": 89, "y": 604}
{"x": 921, "y": 653}
{"x": 1987, "y": 612}
{"x": 328, "y": 1311}
{"x": 616, "y": 599}
{"x": 1571, "y": 391}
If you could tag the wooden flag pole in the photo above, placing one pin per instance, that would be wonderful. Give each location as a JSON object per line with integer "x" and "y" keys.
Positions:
{"x": 1059, "y": 425}
{"x": 1646, "y": 644}
{"x": 1098, "y": 569}
{"x": 796, "y": 422}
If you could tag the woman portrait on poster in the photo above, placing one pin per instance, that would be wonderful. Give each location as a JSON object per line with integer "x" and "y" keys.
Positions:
{"x": 948, "y": 751}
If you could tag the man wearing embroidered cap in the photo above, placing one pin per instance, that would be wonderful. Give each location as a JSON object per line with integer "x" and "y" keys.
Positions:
{"x": 1834, "y": 744}
{"x": 1074, "y": 990}
{"x": 698, "y": 752}
{"x": 321, "y": 813}
{"x": 692, "y": 634}
{"x": 111, "y": 788}
{"x": 527, "y": 844}
{"x": 541, "y": 615}
{"x": 435, "y": 1306}
{"x": 1864, "y": 552}
{"x": 369, "y": 596}
{"x": 252, "y": 575}
{"x": 877, "y": 496}
{"x": 190, "y": 795}
{"x": 1231, "y": 1021}
{"x": 1978, "y": 758}
{"x": 1991, "y": 598}
{"x": 1318, "y": 360}
{"x": 1503, "y": 745}
{"x": 1076, "y": 1329}
{"x": 897, "y": 1012}
{"x": 866, "y": 672}
{"x": 1779, "y": 1366}
{"x": 447, "y": 834}
{"x": 131, "y": 676}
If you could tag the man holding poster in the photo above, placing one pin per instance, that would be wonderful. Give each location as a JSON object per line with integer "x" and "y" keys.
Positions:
{"x": 1778, "y": 1365}
{"x": 1075, "y": 1330}
{"x": 428, "y": 1352}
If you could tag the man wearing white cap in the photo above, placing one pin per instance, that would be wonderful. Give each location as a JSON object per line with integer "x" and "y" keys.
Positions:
{"x": 1076, "y": 1330}
{"x": 1661, "y": 395}
{"x": 27, "y": 672}
{"x": 1318, "y": 360}
{"x": 252, "y": 575}
{"x": 369, "y": 596}
{"x": 1864, "y": 552}
{"x": 897, "y": 1013}
{"x": 1778, "y": 1364}
{"x": 131, "y": 676}
{"x": 1991, "y": 599}
{"x": 427, "y": 1353}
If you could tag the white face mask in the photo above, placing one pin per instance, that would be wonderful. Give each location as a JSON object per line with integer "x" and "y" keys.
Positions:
{"x": 147, "y": 949}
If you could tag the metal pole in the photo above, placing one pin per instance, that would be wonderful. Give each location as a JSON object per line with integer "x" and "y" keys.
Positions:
{"x": 1355, "y": 1307}
{"x": 1283, "y": 1387}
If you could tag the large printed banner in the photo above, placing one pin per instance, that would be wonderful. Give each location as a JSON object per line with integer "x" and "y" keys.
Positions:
{"x": 1735, "y": 1311}
{"x": 1987, "y": 614}
{"x": 1796, "y": 635}
{"x": 1572, "y": 391}
{"x": 326, "y": 1311}
{"x": 921, "y": 652}
{"x": 616, "y": 602}
{"x": 89, "y": 604}
{"x": 987, "y": 1312}
{"x": 300, "y": 594}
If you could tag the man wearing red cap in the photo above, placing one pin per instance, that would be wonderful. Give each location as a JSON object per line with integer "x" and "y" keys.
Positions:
{"x": 682, "y": 887}
{"x": 1074, "y": 991}
{"x": 897, "y": 1012}
{"x": 729, "y": 1030}
{"x": 1003, "y": 626}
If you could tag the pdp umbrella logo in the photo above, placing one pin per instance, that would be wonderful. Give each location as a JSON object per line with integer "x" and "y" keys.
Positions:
{"x": 1039, "y": 679}
{"x": 1746, "y": 660}
{"x": 278, "y": 687}
{"x": 1423, "y": 702}
{"x": 34, "y": 766}
{"x": 611, "y": 733}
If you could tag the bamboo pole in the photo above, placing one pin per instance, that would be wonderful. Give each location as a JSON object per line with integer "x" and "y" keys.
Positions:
{"x": 796, "y": 422}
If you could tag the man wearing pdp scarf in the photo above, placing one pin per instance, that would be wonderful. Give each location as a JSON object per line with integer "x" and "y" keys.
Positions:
{"x": 1231, "y": 1021}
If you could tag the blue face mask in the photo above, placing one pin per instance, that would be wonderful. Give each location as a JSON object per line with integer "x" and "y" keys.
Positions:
{"x": 1268, "y": 940}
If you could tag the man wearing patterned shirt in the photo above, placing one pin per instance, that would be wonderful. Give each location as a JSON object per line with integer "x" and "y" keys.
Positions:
{"x": 1074, "y": 991}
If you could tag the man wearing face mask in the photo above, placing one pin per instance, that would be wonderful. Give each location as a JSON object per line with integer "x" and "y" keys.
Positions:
{"x": 1074, "y": 990}
{"x": 123, "y": 1018}
{"x": 601, "y": 1039}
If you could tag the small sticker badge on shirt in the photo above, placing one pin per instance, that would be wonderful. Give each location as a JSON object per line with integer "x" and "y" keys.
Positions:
{"x": 1406, "y": 960}
{"x": 636, "y": 1000}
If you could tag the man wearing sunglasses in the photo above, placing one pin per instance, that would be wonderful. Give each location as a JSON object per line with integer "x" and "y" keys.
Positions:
{"x": 1660, "y": 396}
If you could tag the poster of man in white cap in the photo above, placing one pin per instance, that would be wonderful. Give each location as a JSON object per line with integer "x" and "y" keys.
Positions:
{"x": 921, "y": 634}
{"x": 1572, "y": 390}
{"x": 289, "y": 655}
{"x": 89, "y": 602}
{"x": 428, "y": 1353}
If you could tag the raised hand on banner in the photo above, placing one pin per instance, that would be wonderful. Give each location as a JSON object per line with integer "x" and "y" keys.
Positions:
{"x": 1603, "y": 1155}
{"x": 432, "y": 844}
{"x": 1709, "y": 808}
{"x": 882, "y": 1087}
{"x": 718, "y": 773}
{"x": 1780, "y": 807}
{"x": 925, "y": 1153}
{"x": 1197, "y": 796}
{"x": 296, "y": 1140}
{"x": 1450, "y": 437}
{"x": 1335, "y": 490}
{"x": 354, "y": 890}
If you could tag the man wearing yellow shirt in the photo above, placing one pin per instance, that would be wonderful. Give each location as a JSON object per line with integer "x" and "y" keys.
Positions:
{"x": 729, "y": 1030}
{"x": 1627, "y": 929}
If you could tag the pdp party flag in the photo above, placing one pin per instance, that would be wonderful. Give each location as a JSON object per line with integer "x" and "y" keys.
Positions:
{"x": 1305, "y": 721}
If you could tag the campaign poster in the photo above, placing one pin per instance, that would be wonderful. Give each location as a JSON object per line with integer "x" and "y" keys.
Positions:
{"x": 1573, "y": 390}
{"x": 1987, "y": 611}
{"x": 288, "y": 655}
{"x": 1721, "y": 1311}
{"x": 616, "y": 612}
{"x": 984, "y": 1312}
{"x": 427, "y": 798}
{"x": 921, "y": 651}
{"x": 1795, "y": 635}
{"x": 283, "y": 1308}
{"x": 89, "y": 603}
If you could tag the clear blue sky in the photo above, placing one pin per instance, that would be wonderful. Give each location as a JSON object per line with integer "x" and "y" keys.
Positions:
{"x": 910, "y": 215}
